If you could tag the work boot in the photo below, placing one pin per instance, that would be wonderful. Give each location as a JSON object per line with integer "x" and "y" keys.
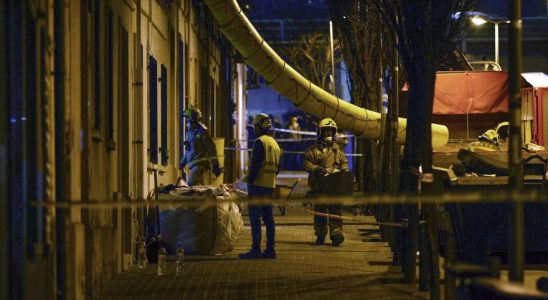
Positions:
{"x": 320, "y": 239}
{"x": 269, "y": 253}
{"x": 337, "y": 239}
{"x": 254, "y": 253}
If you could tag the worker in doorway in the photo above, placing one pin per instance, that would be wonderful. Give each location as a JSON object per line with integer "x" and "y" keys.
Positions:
{"x": 261, "y": 181}
{"x": 201, "y": 154}
{"x": 323, "y": 159}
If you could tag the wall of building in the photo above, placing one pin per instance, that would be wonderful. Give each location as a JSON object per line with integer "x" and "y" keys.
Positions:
{"x": 89, "y": 129}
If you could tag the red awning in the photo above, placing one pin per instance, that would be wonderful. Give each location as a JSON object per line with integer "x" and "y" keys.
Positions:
{"x": 471, "y": 92}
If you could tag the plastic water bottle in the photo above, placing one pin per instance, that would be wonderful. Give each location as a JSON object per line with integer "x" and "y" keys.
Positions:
{"x": 180, "y": 261}
{"x": 162, "y": 264}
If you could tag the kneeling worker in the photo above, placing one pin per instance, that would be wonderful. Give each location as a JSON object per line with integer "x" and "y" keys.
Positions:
{"x": 201, "y": 153}
{"x": 324, "y": 158}
{"x": 487, "y": 141}
{"x": 261, "y": 181}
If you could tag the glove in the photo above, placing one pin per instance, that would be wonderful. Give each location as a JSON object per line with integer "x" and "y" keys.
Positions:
{"x": 320, "y": 171}
{"x": 217, "y": 170}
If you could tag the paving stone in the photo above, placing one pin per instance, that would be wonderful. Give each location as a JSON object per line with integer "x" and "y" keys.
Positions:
{"x": 354, "y": 270}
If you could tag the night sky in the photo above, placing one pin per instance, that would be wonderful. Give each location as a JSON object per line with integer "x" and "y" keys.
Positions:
{"x": 304, "y": 9}
{"x": 499, "y": 8}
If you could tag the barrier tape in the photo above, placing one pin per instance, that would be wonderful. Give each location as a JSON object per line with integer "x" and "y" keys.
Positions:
{"x": 306, "y": 132}
{"x": 287, "y": 151}
{"x": 284, "y": 140}
{"x": 332, "y": 216}
{"x": 301, "y": 132}
{"x": 492, "y": 197}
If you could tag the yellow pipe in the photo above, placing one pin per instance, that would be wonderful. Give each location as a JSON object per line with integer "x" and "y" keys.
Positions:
{"x": 301, "y": 91}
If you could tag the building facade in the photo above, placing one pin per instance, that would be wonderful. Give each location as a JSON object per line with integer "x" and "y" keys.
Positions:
{"x": 92, "y": 99}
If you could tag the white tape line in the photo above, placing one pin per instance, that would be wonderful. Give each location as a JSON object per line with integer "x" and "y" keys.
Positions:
{"x": 287, "y": 151}
{"x": 305, "y": 132}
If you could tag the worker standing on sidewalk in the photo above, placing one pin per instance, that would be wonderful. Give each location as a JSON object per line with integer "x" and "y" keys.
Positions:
{"x": 201, "y": 153}
{"x": 261, "y": 181}
{"x": 323, "y": 161}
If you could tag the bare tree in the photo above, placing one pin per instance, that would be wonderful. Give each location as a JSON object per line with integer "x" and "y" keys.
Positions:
{"x": 361, "y": 35}
{"x": 424, "y": 32}
{"x": 311, "y": 56}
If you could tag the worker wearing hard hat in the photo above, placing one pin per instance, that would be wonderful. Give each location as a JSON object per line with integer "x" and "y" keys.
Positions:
{"x": 324, "y": 158}
{"x": 487, "y": 141}
{"x": 261, "y": 181}
{"x": 201, "y": 154}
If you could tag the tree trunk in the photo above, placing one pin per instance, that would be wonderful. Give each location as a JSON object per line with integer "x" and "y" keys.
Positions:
{"x": 417, "y": 152}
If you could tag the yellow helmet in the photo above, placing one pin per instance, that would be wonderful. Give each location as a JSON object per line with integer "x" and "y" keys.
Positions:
{"x": 491, "y": 136}
{"x": 192, "y": 113}
{"x": 259, "y": 119}
{"x": 327, "y": 122}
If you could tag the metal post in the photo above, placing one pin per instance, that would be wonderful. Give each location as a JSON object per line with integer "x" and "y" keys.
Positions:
{"x": 424, "y": 254}
{"x": 61, "y": 185}
{"x": 393, "y": 112}
{"x": 450, "y": 256}
{"x": 282, "y": 30}
{"x": 138, "y": 146}
{"x": 241, "y": 133}
{"x": 433, "y": 254}
{"x": 4, "y": 171}
{"x": 516, "y": 243}
{"x": 393, "y": 109}
{"x": 497, "y": 43}
{"x": 157, "y": 208}
{"x": 332, "y": 55}
{"x": 379, "y": 91}
{"x": 409, "y": 256}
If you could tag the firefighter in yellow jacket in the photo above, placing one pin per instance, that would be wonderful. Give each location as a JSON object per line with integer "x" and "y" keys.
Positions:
{"x": 201, "y": 154}
{"x": 324, "y": 158}
{"x": 487, "y": 141}
{"x": 261, "y": 181}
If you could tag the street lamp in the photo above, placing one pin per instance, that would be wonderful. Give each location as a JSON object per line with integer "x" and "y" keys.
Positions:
{"x": 478, "y": 20}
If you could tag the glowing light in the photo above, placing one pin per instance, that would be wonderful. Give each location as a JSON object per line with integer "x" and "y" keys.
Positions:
{"x": 477, "y": 20}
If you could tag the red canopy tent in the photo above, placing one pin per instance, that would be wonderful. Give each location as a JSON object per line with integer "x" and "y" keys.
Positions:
{"x": 471, "y": 93}
{"x": 470, "y": 102}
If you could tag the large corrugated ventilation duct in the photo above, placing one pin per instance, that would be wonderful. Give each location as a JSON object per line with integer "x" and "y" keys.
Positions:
{"x": 301, "y": 91}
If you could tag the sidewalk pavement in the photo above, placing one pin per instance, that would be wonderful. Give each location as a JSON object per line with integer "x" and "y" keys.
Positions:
{"x": 361, "y": 268}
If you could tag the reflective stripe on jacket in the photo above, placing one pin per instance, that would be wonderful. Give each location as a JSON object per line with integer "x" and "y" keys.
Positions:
{"x": 269, "y": 168}
{"x": 200, "y": 149}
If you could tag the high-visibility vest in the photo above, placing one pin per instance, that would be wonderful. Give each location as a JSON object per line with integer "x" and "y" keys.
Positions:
{"x": 267, "y": 174}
